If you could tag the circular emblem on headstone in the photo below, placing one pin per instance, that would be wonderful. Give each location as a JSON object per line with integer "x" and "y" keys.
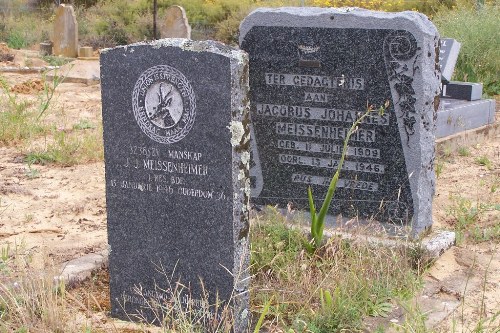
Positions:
{"x": 164, "y": 104}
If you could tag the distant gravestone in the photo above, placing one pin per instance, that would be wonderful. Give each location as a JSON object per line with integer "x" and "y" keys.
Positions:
{"x": 65, "y": 36}
{"x": 177, "y": 188}
{"x": 175, "y": 24}
{"x": 448, "y": 55}
{"x": 312, "y": 72}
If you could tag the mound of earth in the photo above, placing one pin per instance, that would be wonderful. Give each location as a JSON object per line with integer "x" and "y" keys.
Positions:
{"x": 5, "y": 53}
{"x": 28, "y": 87}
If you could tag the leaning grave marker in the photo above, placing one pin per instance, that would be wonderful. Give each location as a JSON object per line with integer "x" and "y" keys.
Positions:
{"x": 65, "y": 33}
{"x": 175, "y": 23}
{"x": 176, "y": 143}
{"x": 312, "y": 72}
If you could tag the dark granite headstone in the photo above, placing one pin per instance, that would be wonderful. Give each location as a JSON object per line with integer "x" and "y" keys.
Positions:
{"x": 176, "y": 143}
{"x": 466, "y": 91}
{"x": 448, "y": 55}
{"x": 312, "y": 72}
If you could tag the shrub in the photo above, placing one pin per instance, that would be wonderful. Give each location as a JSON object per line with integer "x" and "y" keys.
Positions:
{"x": 428, "y": 7}
{"x": 478, "y": 32}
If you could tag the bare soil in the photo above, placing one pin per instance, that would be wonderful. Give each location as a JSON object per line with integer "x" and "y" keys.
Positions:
{"x": 61, "y": 212}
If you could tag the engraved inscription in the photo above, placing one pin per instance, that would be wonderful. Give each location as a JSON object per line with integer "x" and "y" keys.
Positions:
{"x": 330, "y": 163}
{"x": 327, "y": 148}
{"x": 315, "y": 81}
{"x": 324, "y": 132}
{"x": 182, "y": 165}
{"x": 327, "y": 114}
{"x": 325, "y": 181}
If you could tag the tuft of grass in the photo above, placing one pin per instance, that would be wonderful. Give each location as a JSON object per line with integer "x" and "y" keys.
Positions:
{"x": 463, "y": 151}
{"x": 68, "y": 149}
{"x": 466, "y": 217}
{"x": 84, "y": 124}
{"x": 34, "y": 304}
{"x": 331, "y": 290}
{"x": 17, "y": 40}
{"x": 465, "y": 214}
{"x": 56, "y": 60}
{"x": 439, "y": 168}
{"x": 484, "y": 161}
{"x": 482, "y": 234}
{"x": 19, "y": 121}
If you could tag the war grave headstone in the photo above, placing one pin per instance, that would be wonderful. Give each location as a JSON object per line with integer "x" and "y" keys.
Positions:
{"x": 175, "y": 23}
{"x": 176, "y": 140}
{"x": 65, "y": 34}
{"x": 313, "y": 71}
{"x": 461, "y": 106}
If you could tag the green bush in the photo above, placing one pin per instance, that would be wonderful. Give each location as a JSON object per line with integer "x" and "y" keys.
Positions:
{"x": 16, "y": 40}
{"x": 478, "y": 30}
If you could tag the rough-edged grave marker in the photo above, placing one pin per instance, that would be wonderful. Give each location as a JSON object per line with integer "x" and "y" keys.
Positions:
{"x": 65, "y": 36}
{"x": 448, "y": 55}
{"x": 312, "y": 72}
{"x": 176, "y": 143}
{"x": 175, "y": 24}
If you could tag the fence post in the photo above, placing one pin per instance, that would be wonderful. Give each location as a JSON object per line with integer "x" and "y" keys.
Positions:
{"x": 155, "y": 7}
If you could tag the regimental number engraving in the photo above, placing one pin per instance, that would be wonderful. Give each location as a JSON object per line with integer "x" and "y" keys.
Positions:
{"x": 330, "y": 163}
{"x": 164, "y": 104}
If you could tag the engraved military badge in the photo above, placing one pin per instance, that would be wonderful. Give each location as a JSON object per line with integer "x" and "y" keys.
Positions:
{"x": 164, "y": 104}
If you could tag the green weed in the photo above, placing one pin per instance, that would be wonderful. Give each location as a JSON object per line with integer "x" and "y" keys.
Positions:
{"x": 56, "y": 60}
{"x": 21, "y": 121}
{"x": 463, "y": 151}
{"x": 68, "y": 149}
{"x": 439, "y": 168}
{"x": 483, "y": 234}
{"x": 331, "y": 290}
{"x": 318, "y": 218}
{"x": 484, "y": 161}
{"x": 84, "y": 124}
{"x": 414, "y": 319}
{"x": 16, "y": 40}
{"x": 466, "y": 216}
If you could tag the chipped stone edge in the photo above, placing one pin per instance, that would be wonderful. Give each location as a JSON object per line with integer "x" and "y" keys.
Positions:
{"x": 431, "y": 246}
{"x": 239, "y": 128}
{"x": 321, "y": 17}
{"x": 183, "y": 44}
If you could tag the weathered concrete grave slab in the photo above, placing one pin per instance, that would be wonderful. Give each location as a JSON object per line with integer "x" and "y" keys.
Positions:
{"x": 312, "y": 72}
{"x": 175, "y": 24}
{"x": 456, "y": 115}
{"x": 65, "y": 35}
{"x": 176, "y": 143}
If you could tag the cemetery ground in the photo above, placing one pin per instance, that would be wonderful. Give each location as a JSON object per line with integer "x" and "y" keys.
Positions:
{"x": 52, "y": 209}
